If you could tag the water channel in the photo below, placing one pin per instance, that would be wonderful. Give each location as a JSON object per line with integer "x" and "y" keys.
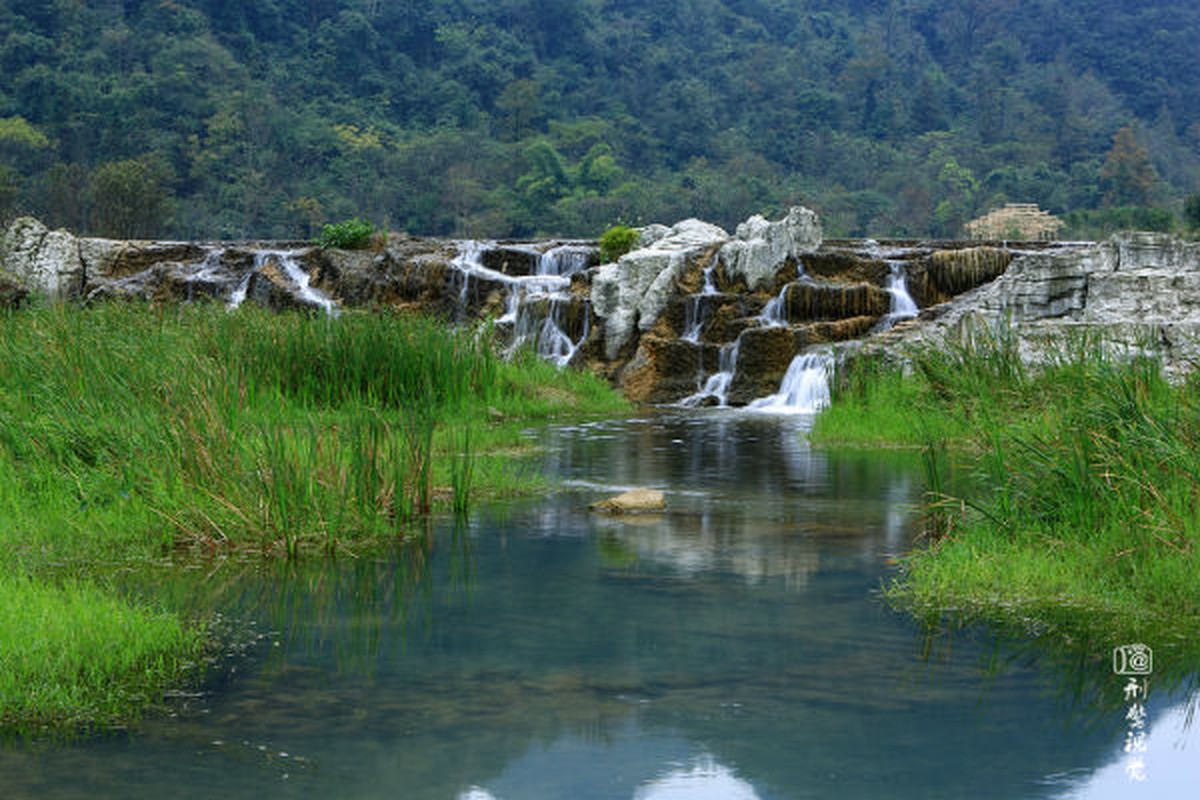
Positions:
{"x": 734, "y": 646}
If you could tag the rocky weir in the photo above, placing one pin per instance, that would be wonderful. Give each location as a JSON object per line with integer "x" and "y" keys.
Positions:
{"x": 694, "y": 316}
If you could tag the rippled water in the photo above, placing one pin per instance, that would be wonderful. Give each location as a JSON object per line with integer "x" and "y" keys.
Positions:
{"x": 731, "y": 647}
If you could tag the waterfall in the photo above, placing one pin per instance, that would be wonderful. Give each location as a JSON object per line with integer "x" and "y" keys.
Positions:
{"x": 534, "y": 305}
{"x": 902, "y": 305}
{"x": 710, "y": 283}
{"x": 717, "y": 385}
{"x": 286, "y": 260}
{"x": 693, "y": 318}
{"x": 773, "y": 313}
{"x": 564, "y": 260}
{"x": 804, "y": 389}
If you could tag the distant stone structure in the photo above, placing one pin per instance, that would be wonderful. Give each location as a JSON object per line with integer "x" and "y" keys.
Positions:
{"x": 1015, "y": 221}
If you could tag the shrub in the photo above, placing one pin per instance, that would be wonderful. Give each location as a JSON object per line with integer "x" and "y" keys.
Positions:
{"x": 616, "y": 242}
{"x": 352, "y": 234}
{"x": 1191, "y": 211}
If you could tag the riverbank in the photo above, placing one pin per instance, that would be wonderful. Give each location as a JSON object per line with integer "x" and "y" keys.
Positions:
{"x": 128, "y": 430}
{"x": 1063, "y": 495}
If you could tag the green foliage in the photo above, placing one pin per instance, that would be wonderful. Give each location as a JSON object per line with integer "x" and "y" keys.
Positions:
{"x": 616, "y": 242}
{"x": 131, "y": 199}
{"x": 1191, "y": 211}
{"x": 351, "y": 234}
{"x": 1101, "y": 223}
{"x": 485, "y": 119}
{"x": 127, "y": 431}
{"x": 1079, "y": 510}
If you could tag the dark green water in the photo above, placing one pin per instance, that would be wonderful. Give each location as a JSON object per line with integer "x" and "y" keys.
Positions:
{"x": 733, "y": 647}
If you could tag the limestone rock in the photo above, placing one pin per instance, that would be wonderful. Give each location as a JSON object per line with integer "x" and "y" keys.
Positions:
{"x": 947, "y": 273}
{"x": 632, "y": 293}
{"x": 762, "y": 248}
{"x": 42, "y": 260}
{"x": 635, "y": 501}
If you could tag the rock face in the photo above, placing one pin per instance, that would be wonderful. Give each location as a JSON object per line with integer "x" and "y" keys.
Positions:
{"x": 634, "y": 291}
{"x": 1137, "y": 290}
{"x": 42, "y": 260}
{"x": 694, "y": 315}
{"x": 762, "y": 247}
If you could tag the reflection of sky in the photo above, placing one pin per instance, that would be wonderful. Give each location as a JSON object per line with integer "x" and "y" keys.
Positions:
{"x": 1172, "y": 760}
{"x": 628, "y": 765}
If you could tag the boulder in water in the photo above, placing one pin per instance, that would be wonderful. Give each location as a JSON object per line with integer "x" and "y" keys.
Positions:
{"x": 635, "y": 501}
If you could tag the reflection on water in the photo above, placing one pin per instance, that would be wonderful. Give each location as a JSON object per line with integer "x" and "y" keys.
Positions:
{"x": 730, "y": 647}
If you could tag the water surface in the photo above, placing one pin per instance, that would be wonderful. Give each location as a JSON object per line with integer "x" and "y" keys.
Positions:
{"x": 732, "y": 647}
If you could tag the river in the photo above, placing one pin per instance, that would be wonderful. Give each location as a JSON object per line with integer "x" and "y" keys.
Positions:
{"x": 735, "y": 646}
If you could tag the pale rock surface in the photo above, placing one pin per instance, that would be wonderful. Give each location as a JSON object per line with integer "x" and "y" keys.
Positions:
{"x": 42, "y": 260}
{"x": 633, "y": 292}
{"x": 1137, "y": 291}
{"x": 632, "y": 502}
{"x": 762, "y": 247}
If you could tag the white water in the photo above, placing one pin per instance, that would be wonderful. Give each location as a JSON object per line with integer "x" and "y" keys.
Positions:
{"x": 292, "y": 271}
{"x": 564, "y": 260}
{"x": 717, "y": 384}
{"x": 533, "y": 304}
{"x": 902, "y": 305}
{"x": 772, "y": 315}
{"x": 804, "y": 389}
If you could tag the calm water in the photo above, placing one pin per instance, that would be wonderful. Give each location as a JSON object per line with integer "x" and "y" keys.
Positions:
{"x": 733, "y": 647}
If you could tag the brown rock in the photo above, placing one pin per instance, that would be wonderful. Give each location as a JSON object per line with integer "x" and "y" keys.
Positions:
{"x": 811, "y": 302}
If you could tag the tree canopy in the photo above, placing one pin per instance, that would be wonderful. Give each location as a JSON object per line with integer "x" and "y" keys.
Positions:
{"x": 518, "y": 117}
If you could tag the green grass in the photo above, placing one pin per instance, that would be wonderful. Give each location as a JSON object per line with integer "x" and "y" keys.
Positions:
{"x": 127, "y": 430}
{"x": 74, "y": 655}
{"x": 1065, "y": 495}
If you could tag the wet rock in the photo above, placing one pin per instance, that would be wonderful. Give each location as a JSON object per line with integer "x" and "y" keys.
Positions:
{"x": 809, "y": 302}
{"x": 664, "y": 370}
{"x": 947, "y": 273}
{"x": 764, "y": 355}
{"x": 635, "y": 501}
{"x": 837, "y": 265}
{"x": 511, "y": 259}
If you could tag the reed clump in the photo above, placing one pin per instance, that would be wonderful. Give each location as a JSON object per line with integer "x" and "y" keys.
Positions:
{"x": 1070, "y": 491}
{"x": 127, "y": 430}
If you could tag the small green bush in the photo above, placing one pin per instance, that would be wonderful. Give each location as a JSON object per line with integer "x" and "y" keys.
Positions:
{"x": 616, "y": 242}
{"x": 352, "y": 234}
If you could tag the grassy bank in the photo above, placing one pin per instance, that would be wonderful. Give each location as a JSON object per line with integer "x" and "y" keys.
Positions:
{"x": 1067, "y": 494}
{"x": 127, "y": 430}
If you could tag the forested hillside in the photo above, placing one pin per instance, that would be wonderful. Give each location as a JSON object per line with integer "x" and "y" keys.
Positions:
{"x": 222, "y": 118}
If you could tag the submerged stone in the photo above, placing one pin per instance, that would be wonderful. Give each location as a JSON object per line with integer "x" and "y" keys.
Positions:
{"x": 635, "y": 501}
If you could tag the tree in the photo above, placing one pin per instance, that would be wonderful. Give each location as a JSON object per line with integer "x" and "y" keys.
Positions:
{"x": 130, "y": 199}
{"x": 1128, "y": 176}
{"x": 1191, "y": 211}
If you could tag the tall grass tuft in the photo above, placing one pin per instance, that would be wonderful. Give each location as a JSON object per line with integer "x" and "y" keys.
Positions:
{"x": 1084, "y": 488}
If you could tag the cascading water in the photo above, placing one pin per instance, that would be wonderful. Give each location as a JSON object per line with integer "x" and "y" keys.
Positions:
{"x": 804, "y": 389}
{"x": 902, "y": 305}
{"x": 534, "y": 305}
{"x": 773, "y": 313}
{"x": 716, "y": 387}
{"x": 287, "y": 262}
{"x": 564, "y": 260}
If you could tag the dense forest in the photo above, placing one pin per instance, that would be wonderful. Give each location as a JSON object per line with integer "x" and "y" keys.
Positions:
{"x": 230, "y": 119}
